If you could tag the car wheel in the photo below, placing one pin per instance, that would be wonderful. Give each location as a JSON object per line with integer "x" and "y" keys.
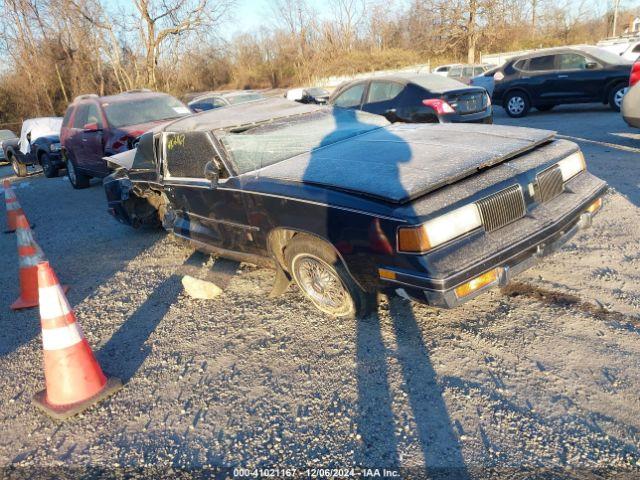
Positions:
{"x": 47, "y": 167}
{"x": 77, "y": 180}
{"x": 616, "y": 95}
{"x": 517, "y": 104}
{"x": 544, "y": 108}
{"x": 19, "y": 169}
{"x": 323, "y": 279}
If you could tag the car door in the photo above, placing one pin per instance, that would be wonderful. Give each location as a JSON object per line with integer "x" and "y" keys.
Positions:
{"x": 538, "y": 77}
{"x": 579, "y": 78}
{"x": 383, "y": 96}
{"x": 93, "y": 141}
{"x": 351, "y": 97}
{"x": 74, "y": 144}
{"x": 211, "y": 214}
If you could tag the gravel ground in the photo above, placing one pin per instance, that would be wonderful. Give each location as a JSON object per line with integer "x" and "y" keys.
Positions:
{"x": 540, "y": 377}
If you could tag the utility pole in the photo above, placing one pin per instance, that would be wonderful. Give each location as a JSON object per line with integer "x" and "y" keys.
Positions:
{"x": 615, "y": 16}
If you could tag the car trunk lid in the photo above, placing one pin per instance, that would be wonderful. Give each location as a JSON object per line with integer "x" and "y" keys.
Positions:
{"x": 467, "y": 101}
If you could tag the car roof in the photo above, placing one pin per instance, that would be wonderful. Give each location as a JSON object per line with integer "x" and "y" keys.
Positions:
{"x": 131, "y": 95}
{"x": 241, "y": 114}
{"x": 432, "y": 82}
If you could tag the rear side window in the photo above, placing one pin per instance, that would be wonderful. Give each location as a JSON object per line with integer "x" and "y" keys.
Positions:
{"x": 467, "y": 72}
{"x": 636, "y": 49}
{"x": 455, "y": 72}
{"x": 67, "y": 117}
{"x": 352, "y": 97}
{"x": 383, "y": 91}
{"x": 572, "y": 61}
{"x": 93, "y": 115}
{"x": 80, "y": 118}
{"x": 187, "y": 153}
{"x": 546, "y": 62}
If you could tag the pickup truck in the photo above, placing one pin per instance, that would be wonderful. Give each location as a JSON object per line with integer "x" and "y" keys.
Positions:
{"x": 38, "y": 144}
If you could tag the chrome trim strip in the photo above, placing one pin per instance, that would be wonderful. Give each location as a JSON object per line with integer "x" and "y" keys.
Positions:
{"x": 224, "y": 222}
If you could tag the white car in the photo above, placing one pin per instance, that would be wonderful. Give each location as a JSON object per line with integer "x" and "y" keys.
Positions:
{"x": 632, "y": 52}
{"x": 444, "y": 69}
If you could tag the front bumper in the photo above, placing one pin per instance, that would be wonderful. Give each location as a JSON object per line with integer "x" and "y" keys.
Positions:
{"x": 508, "y": 263}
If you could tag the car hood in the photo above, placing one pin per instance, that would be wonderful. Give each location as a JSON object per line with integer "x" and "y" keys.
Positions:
{"x": 402, "y": 162}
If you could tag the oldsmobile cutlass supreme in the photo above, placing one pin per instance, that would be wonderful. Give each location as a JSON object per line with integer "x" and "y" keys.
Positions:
{"x": 346, "y": 204}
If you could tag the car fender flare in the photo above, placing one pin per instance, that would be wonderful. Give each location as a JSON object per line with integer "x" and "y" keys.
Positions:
{"x": 277, "y": 241}
{"x": 515, "y": 89}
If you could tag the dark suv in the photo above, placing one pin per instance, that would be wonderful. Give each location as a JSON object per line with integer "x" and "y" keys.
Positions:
{"x": 550, "y": 77}
{"x": 96, "y": 127}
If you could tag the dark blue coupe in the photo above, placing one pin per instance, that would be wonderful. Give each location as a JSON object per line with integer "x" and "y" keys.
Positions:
{"x": 346, "y": 204}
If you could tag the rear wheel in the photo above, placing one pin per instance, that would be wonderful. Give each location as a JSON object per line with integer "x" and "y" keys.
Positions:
{"x": 322, "y": 277}
{"x": 517, "y": 104}
{"x": 50, "y": 171}
{"x": 77, "y": 179}
{"x": 20, "y": 169}
{"x": 616, "y": 95}
{"x": 544, "y": 108}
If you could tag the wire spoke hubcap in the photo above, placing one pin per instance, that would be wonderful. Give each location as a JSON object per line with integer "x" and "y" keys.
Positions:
{"x": 322, "y": 285}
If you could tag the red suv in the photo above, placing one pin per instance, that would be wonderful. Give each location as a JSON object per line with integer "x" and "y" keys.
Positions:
{"x": 96, "y": 127}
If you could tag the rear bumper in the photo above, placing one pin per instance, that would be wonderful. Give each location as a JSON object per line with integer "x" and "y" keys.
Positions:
{"x": 509, "y": 262}
{"x": 485, "y": 116}
{"x": 632, "y": 122}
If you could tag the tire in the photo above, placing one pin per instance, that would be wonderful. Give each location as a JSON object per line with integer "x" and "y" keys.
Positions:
{"x": 77, "y": 180}
{"x": 49, "y": 170}
{"x": 20, "y": 169}
{"x": 545, "y": 108}
{"x": 323, "y": 279}
{"x": 517, "y": 104}
{"x": 615, "y": 96}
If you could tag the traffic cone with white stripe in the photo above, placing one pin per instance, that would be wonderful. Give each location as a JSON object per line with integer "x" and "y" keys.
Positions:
{"x": 29, "y": 254}
{"x": 13, "y": 207}
{"x": 74, "y": 380}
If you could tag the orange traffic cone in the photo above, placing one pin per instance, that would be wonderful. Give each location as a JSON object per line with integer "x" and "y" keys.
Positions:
{"x": 29, "y": 255}
{"x": 13, "y": 207}
{"x": 73, "y": 377}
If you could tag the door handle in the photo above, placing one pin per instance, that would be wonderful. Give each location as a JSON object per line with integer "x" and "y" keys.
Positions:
{"x": 563, "y": 76}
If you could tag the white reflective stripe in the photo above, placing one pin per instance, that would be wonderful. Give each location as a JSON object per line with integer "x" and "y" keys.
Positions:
{"x": 13, "y": 206}
{"x": 63, "y": 337}
{"x": 25, "y": 238}
{"x": 53, "y": 303}
{"x": 30, "y": 261}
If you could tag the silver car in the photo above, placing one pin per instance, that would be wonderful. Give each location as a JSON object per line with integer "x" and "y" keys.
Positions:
{"x": 5, "y": 135}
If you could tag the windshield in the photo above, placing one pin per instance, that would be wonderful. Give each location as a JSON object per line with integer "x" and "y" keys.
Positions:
{"x": 283, "y": 138}
{"x": 6, "y": 134}
{"x": 243, "y": 97}
{"x": 144, "y": 110}
{"x": 604, "y": 55}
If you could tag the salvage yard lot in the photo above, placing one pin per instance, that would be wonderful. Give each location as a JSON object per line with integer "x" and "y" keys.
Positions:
{"x": 544, "y": 374}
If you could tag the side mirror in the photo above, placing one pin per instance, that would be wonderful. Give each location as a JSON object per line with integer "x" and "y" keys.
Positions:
{"x": 591, "y": 65}
{"x": 211, "y": 173}
{"x": 91, "y": 127}
{"x": 29, "y": 137}
{"x": 391, "y": 115}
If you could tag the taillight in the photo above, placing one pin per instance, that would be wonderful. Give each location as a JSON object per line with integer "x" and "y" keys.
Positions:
{"x": 635, "y": 74}
{"x": 440, "y": 106}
